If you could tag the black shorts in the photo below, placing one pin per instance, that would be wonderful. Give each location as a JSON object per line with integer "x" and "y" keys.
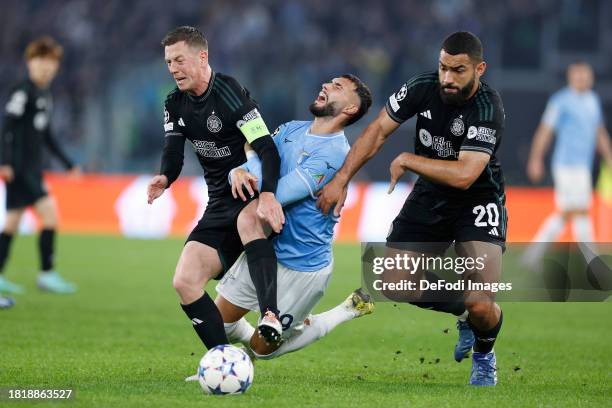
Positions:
{"x": 24, "y": 191}
{"x": 217, "y": 229}
{"x": 430, "y": 223}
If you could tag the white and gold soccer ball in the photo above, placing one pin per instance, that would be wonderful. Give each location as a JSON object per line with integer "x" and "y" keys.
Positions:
{"x": 225, "y": 369}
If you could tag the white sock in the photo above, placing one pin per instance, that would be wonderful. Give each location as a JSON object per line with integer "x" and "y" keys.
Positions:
{"x": 548, "y": 232}
{"x": 550, "y": 229}
{"x": 319, "y": 326}
{"x": 583, "y": 229}
{"x": 239, "y": 332}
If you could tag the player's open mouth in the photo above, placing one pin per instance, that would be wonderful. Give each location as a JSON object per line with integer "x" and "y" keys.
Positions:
{"x": 179, "y": 80}
{"x": 322, "y": 97}
{"x": 451, "y": 90}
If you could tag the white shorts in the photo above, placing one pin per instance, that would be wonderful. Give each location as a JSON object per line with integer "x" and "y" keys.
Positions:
{"x": 297, "y": 292}
{"x": 573, "y": 188}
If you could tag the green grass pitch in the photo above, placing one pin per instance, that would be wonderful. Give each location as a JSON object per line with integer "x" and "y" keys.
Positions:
{"x": 123, "y": 341}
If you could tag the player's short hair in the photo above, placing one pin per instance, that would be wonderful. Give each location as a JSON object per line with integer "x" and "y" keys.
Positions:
{"x": 580, "y": 63}
{"x": 45, "y": 47}
{"x": 464, "y": 42}
{"x": 365, "y": 98}
{"x": 191, "y": 35}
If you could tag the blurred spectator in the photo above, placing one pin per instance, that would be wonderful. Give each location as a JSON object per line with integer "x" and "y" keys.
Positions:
{"x": 113, "y": 81}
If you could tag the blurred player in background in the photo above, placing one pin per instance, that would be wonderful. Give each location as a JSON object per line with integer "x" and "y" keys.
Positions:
{"x": 217, "y": 115}
{"x": 574, "y": 117}
{"x": 26, "y": 130}
{"x": 311, "y": 153}
{"x": 459, "y": 196}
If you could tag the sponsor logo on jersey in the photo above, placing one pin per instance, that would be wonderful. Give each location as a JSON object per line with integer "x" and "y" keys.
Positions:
{"x": 425, "y": 137}
{"x": 401, "y": 94}
{"x": 213, "y": 123}
{"x": 166, "y": 116}
{"x": 181, "y": 122}
{"x": 168, "y": 127}
{"x": 287, "y": 140}
{"x": 457, "y": 127}
{"x": 443, "y": 147}
{"x": 41, "y": 120}
{"x": 472, "y": 131}
{"x": 209, "y": 149}
{"x": 426, "y": 114}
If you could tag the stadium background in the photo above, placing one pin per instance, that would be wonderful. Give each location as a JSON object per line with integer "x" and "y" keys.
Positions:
{"x": 110, "y": 90}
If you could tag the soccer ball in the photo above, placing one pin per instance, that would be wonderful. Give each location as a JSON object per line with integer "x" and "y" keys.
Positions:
{"x": 225, "y": 369}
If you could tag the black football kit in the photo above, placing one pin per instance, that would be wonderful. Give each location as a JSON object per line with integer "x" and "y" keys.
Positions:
{"x": 439, "y": 214}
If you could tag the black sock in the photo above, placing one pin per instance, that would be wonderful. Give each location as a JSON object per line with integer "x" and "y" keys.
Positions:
{"x": 207, "y": 321}
{"x": 262, "y": 268}
{"x": 5, "y": 245}
{"x": 46, "y": 244}
{"x": 485, "y": 339}
{"x": 445, "y": 301}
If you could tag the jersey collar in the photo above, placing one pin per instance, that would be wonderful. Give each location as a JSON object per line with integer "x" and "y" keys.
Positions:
{"x": 205, "y": 95}
{"x": 328, "y": 135}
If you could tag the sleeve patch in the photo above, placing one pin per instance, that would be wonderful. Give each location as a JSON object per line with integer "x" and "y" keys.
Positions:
{"x": 393, "y": 103}
{"x": 252, "y": 126}
{"x": 16, "y": 105}
{"x": 482, "y": 134}
{"x": 317, "y": 177}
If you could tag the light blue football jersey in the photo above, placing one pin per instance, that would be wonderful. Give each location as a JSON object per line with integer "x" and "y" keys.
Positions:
{"x": 575, "y": 118}
{"x": 308, "y": 162}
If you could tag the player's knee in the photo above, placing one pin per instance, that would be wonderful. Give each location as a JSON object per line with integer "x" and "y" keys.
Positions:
{"x": 49, "y": 221}
{"x": 11, "y": 224}
{"x": 479, "y": 308}
{"x": 392, "y": 295}
{"x": 185, "y": 281}
{"x": 10, "y": 229}
{"x": 248, "y": 224}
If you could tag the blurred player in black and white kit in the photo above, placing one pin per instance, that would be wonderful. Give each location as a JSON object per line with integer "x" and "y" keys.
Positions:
{"x": 459, "y": 196}
{"x": 218, "y": 116}
{"x": 26, "y": 130}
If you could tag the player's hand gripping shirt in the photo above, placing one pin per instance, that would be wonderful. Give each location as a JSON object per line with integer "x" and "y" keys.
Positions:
{"x": 308, "y": 162}
{"x": 442, "y": 130}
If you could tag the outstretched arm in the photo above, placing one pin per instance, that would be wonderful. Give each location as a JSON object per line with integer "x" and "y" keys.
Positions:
{"x": 365, "y": 147}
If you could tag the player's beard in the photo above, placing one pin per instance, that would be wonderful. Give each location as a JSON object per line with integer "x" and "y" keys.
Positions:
{"x": 461, "y": 97}
{"x": 329, "y": 109}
